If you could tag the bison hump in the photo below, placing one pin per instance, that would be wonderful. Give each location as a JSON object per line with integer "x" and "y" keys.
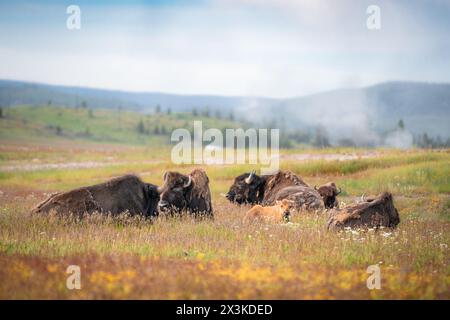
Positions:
{"x": 305, "y": 198}
{"x": 377, "y": 212}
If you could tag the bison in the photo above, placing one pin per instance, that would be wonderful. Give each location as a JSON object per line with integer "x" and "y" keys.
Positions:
{"x": 266, "y": 190}
{"x": 123, "y": 194}
{"x": 372, "y": 213}
{"x": 277, "y": 213}
{"x": 186, "y": 193}
{"x": 329, "y": 192}
{"x": 247, "y": 188}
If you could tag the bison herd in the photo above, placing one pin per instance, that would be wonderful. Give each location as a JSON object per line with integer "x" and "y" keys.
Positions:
{"x": 272, "y": 197}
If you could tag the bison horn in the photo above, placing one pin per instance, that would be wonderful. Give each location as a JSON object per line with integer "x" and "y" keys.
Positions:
{"x": 339, "y": 192}
{"x": 315, "y": 187}
{"x": 362, "y": 198}
{"x": 249, "y": 179}
{"x": 188, "y": 183}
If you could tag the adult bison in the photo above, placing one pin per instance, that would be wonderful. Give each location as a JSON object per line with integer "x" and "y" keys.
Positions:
{"x": 329, "y": 192}
{"x": 371, "y": 213}
{"x": 251, "y": 188}
{"x": 188, "y": 193}
{"x": 126, "y": 193}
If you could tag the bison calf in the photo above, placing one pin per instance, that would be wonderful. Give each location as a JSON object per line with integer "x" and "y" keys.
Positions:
{"x": 277, "y": 213}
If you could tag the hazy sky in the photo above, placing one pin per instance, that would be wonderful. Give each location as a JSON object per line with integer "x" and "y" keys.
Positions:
{"x": 273, "y": 48}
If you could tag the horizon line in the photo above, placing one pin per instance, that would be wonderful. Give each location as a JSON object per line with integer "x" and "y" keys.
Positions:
{"x": 32, "y": 82}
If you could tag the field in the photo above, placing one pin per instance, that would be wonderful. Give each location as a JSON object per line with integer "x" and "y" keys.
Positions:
{"x": 52, "y": 123}
{"x": 178, "y": 258}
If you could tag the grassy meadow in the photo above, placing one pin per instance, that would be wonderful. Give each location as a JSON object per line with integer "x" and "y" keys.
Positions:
{"x": 178, "y": 258}
{"x": 31, "y": 123}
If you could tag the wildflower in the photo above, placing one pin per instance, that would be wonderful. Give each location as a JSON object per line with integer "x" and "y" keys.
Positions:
{"x": 52, "y": 268}
{"x": 200, "y": 256}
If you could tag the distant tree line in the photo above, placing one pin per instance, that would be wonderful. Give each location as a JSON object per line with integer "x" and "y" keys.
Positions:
{"x": 425, "y": 141}
{"x": 145, "y": 129}
{"x": 317, "y": 137}
{"x": 206, "y": 113}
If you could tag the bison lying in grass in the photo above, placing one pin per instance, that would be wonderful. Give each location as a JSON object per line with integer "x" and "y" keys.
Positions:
{"x": 124, "y": 194}
{"x": 188, "y": 193}
{"x": 278, "y": 213}
{"x": 266, "y": 190}
{"x": 371, "y": 213}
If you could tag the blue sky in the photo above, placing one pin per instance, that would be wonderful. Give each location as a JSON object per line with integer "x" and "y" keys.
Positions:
{"x": 274, "y": 48}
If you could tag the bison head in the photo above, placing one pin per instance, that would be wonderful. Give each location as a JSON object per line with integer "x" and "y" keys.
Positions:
{"x": 329, "y": 192}
{"x": 186, "y": 192}
{"x": 247, "y": 188}
{"x": 174, "y": 191}
{"x": 286, "y": 206}
{"x": 152, "y": 200}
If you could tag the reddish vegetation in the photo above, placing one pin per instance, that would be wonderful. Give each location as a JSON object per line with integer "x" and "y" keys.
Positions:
{"x": 132, "y": 277}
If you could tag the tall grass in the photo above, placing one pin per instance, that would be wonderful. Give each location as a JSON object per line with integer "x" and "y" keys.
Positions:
{"x": 130, "y": 257}
{"x": 258, "y": 256}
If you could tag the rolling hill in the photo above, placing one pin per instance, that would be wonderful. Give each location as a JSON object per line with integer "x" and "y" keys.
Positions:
{"x": 363, "y": 114}
{"x": 27, "y": 122}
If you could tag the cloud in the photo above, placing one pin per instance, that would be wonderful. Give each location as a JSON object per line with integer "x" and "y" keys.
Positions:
{"x": 237, "y": 47}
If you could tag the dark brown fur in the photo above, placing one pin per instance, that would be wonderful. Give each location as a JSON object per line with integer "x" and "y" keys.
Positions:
{"x": 275, "y": 183}
{"x": 329, "y": 193}
{"x": 304, "y": 198}
{"x": 177, "y": 197}
{"x": 268, "y": 189}
{"x": 126, "y": 193}
{"x": 372, "y": 213}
